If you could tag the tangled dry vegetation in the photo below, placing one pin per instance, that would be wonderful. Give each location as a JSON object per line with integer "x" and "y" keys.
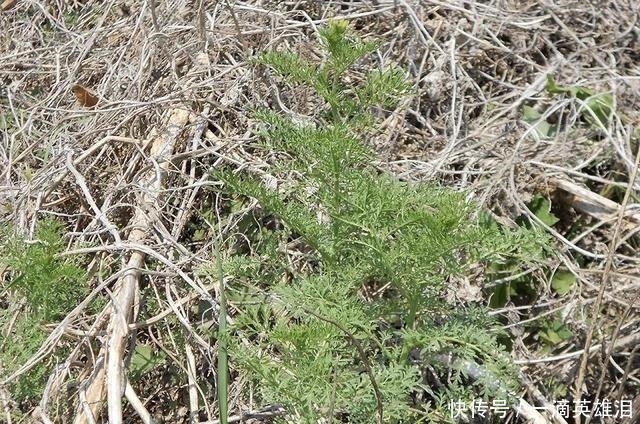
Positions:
{"x": 113, "y": 113}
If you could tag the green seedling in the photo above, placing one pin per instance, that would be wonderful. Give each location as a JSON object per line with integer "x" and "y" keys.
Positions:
{"x": 598, "y": 107}
{"x": 339, "y": 279}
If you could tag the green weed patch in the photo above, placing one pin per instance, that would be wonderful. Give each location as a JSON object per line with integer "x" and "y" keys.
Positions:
{"x": 347, "y": 330}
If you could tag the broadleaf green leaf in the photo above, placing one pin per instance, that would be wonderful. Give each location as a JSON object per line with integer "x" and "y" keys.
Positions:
{"x": 563, "y": 281}
{"x": 144, "y": 359}
{"x": 543, "y": 128}
{"x": 541, "y": 208}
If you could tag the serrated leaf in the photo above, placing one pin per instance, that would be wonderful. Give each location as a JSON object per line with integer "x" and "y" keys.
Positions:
{"x": 551, "y": 336}
{"x": 199, "y": 235}
{"x": 561, "y": 330}
{"x": 555, "y": 332}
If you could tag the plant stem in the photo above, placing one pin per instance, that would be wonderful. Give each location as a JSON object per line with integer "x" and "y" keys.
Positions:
{"x": 222, "y": 342}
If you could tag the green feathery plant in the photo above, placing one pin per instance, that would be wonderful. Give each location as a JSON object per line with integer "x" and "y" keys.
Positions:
{"x": 341, "y": 302}
{"x": 42, "y": 287}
